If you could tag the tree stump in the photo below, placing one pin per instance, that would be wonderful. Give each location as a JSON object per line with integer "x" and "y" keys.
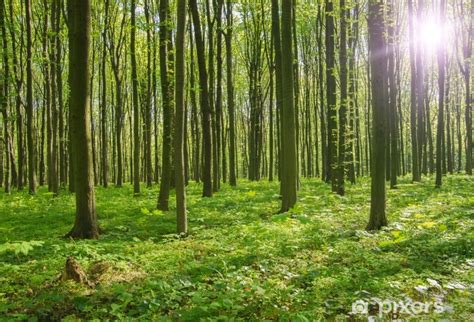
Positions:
{"x": 73, "y": 271}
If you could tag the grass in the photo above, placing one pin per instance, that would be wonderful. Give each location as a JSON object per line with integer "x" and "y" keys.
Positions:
{"x": 241, "y": 261}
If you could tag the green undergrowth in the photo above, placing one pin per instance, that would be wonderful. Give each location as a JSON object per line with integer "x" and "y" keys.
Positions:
{"x": 241, "y": 261}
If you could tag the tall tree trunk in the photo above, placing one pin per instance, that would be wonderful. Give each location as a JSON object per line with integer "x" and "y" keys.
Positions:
{"x": 331, "y": 96}
{"x": 4, "y": 101}
{"x": 103, "y": 121}
{"x": 344, "y": 100}
{"x": 59, "y": 80}
{"x": 54, "y": 99}
{"x": 230, "y": 95}
{"x": 79, "y": 18}
{"x": 441, "y": 100}
{"x": 289, "y": 168}
{"x": 393, "y": 115}
{"x": 218, "y": 105}
{"x": 276, "y": 34}
{"x": 18, "y": 72}
{"x": 167, "y": 102}
{"x": 147, "y": 111}
{"x": 179, "y": 119}
{"x": 204, "y": 97}
{"x": 413, "y": 102}
{"x": 29, "y": 103}
{"x": 378, "y": 64}
{"x": 420, "y": 95}
{"x": 136, "y": 108}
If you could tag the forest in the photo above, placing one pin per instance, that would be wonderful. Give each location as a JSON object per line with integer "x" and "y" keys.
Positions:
{"x": 236, "y": 160}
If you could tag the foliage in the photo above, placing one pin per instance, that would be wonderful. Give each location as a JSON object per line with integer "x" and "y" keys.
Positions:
{"x": 241, "y": 260}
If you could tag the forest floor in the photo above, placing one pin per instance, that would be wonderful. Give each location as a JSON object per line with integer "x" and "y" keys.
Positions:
{"x": 241, "y": 261}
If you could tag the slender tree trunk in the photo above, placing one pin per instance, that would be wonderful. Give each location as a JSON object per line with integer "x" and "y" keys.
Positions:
{"x": 413, "y": 95}
{"x": 441, "y": 100}
{"x": 218, "y": 105}
{"x": 204, "y": 97}
{"x": 339, "y": 178}
{"x": 54, "y": 180}
{"x": 147, "y": 111}
{"x": 18, "y": 72}
{"x": 59, "y": 80}
{"x": 276, "y": 34}
{"x": 4, "y": 101}
{"x": 179, "y": 119}
{"x": 29, "y": 102}
{"x": 136, "y": 108}
{"x": 103, "y": 122}
{"x": 420, "y": 95}
{"x": 331, "y": 96}
{"x": 230, "y": 95}
{"x": 393, "y": 115}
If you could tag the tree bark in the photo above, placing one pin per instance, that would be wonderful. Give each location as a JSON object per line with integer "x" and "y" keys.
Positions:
{"x": 378, "y": 64}
{"x": 29, "y": 103}
{"x": 289, "y": 169}
{"x": 136, "y": 108}
{"x": 79, "y": 18}
{"x": 441, "y": 100}
{"x": 204, "y": 97}
{"x": 179, "y": 119}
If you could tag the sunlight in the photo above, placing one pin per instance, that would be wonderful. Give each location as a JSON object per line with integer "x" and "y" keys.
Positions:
{"x": 432, "y": 34}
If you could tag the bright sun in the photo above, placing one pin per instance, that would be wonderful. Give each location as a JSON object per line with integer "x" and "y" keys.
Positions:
{"x": 432, "y": 34}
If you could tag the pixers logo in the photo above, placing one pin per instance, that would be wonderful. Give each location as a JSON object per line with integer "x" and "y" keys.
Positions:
{"x": 407, "y": 307}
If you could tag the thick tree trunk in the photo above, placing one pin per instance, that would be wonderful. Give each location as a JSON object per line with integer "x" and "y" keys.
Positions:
{"x": 167, "y": 102}
{"x": 79, "y": 18}
{"x": 378, "y": 64}
{"x": 289, "y": 169}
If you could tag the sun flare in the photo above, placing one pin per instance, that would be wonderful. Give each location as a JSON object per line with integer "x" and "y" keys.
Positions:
{"x": 432, "y": 34}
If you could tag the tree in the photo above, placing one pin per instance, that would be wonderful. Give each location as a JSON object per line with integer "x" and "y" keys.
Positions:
{"x": 53, "y": 172}
{"x": 230, "y": 94}
{"x": 136, "y": 108}
{"x": 413, "y": 102}
{"x": 289, "y": 170}
{"x": 441, "y": 99}
{"x": 4, "y": 92}
{"x": 167, "y": 103}
{"x": 147, "y": 110}
{"x": 276, "y": 38}
{"x": 339, "y": 178}
{"x": 79, "y": 19}
{"x": 29, "y": 103}
{"x": 179, "y": 118}
{"x": 331, "y": 98}
{"x": 204, "y": 98}
{"x": 392, "y": 115}
{"x": 103, "y": 121}
{"x": 378, "y": 66}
